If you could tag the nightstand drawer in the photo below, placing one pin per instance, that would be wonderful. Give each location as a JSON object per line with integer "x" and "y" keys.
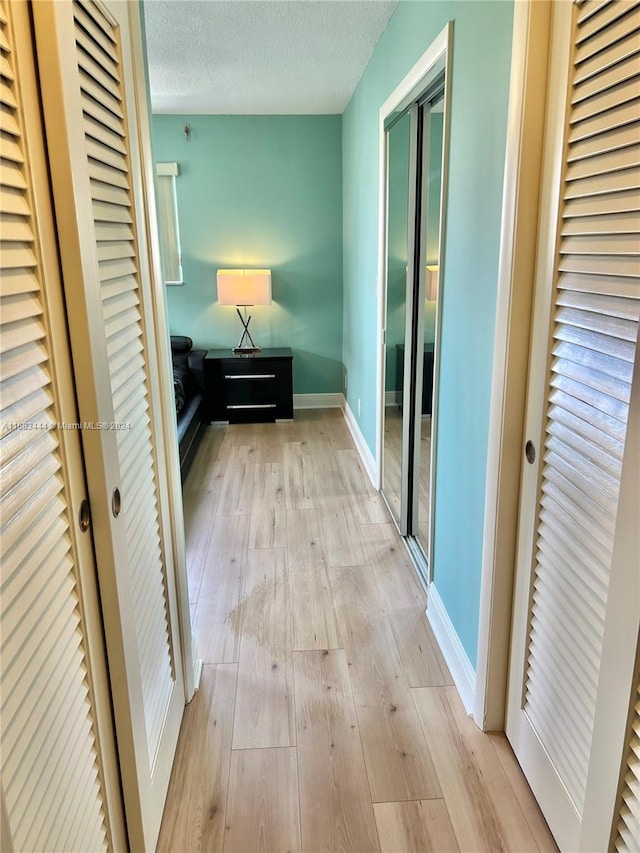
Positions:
{"x": 245, "y": 389}
{"x": 249, "y": 369}
{"x": 249, "y": 389}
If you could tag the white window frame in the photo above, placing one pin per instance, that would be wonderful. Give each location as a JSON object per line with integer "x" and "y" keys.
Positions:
{"x": 167, "y": 205}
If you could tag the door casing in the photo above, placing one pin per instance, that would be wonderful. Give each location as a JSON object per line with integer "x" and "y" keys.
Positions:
{"x": 518, "y": 241}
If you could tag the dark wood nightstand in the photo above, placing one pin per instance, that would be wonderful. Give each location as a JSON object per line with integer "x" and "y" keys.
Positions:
{"x": 249, "y": 388}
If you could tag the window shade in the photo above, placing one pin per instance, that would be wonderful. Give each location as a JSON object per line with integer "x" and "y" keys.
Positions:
{"x": 167, "y": 205}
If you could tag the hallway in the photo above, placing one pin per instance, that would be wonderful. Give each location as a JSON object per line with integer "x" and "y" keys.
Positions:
{"x": 326, "y": 717}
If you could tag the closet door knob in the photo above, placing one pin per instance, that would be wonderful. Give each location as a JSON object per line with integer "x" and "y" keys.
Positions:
{"x": 530, "y": 452}
{"x": 116, "y": 502}
{"x": 84, "y": 516}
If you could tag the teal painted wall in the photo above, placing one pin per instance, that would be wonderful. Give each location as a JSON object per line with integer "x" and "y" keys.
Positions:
{"x": 479, "y": 88}
{"x": 261, "y": 191}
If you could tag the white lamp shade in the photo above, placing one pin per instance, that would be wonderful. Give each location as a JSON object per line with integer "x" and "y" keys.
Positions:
{"x": 431, "y": 283}
{"x": 244, "y": 287}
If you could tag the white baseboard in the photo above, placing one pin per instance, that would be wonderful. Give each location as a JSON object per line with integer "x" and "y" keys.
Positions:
{"x": 390, "y": 398}
{"x": 197, "y": 673}
{"x": 463, "y": 673}
{"x": 361, "y": 445}
{"x": 318, "y": 401}
{"x": 197, "y": 663}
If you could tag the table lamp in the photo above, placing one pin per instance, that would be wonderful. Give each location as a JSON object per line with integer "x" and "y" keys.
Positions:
{"x": 431, "y": 289}
{"x": 242, "y": 288}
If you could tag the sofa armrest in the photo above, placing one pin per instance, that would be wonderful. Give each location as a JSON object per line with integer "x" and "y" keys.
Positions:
{"x": 196, "y": 364}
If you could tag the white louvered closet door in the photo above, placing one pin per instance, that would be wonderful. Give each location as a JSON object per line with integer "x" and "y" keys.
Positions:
{"x": 577, "y": 604}
{"x": 60, "y": 783}
{"x": 86, "y": 65}
{"x": 626, "y": 837}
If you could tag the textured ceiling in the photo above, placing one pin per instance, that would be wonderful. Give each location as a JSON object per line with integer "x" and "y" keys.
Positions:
{"x": 256, "y": 57}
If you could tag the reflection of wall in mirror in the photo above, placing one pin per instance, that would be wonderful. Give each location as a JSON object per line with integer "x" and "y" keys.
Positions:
{"x": 397, "y": 219}
{"x": 433, "y": 215}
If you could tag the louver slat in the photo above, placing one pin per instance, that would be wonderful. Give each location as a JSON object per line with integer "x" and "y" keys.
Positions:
{"x": 98, "y": 18}
{"x": 25, "y": 552}
{"x": 99, "y": 132}
{"x": 594, "y": 185}
{"x": 625, "y": 91}
{"x": 49, "y": 746}
{"x": 91, "y": 46}
{"x": 605, "y": 285}
{"x": 617, "y": 139}
{"x": 628, "y": 830}
{"x": 87, "y": 23}
{"x": 13, "y": 176}
{"x": 105, "y": 178}
{"x": 593, "y": 347}
{"x": 587, "y": 8}
{"x": 601, "y": 123}
{"x": 554, "y": 588}
{"x": 620, "y": 72}
{"x": 107, "y": 154}
{"x": 111, "y": 213}
{"x": 103, "y": 154}
{"x": 6, "y": 94}
{"x": 95, "y": 93}
{"x": 604, "y": 61}
{"x": 591, "y": 359}
{"x": 599, "y": 39}
{"x": 600, "y": 205}
{"x": 600, "y": 265}
{"x": 118, "y": 286}
{"x": 605, "y": 162}
{"x": 103, "y": 73}
{"x": 606, "y": 15}
{"x": 103, "y": 116}
{"x": 623, "y": 223}
{"x": 11, "y": 151}
{"x": 589, "y": 379}
{"x": 578, "y": 503}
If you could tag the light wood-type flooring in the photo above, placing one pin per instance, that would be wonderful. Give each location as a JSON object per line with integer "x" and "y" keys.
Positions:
{"x": 326, "y": 719}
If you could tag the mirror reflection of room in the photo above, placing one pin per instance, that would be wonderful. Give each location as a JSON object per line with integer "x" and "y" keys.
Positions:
{"x": 413, "y": 283}
{"x": 397, "y": 243}
{"x": 430, "y": 255}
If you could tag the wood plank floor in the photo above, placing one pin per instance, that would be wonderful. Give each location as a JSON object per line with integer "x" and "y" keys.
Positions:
{"x": 326, "y": 718}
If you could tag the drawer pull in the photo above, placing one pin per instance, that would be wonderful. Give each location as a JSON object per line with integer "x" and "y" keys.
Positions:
{"x": 254, "y": 406}
{"x": 250, "y": 376}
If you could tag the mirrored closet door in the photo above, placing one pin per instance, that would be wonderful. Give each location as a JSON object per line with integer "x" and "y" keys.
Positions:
{"x": 415, "y": 146}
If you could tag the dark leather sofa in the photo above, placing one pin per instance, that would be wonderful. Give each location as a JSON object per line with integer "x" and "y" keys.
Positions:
{"x": 188, "y": 386}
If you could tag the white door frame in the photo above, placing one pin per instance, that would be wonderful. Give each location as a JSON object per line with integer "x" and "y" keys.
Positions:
{"x": 520, "y": 209}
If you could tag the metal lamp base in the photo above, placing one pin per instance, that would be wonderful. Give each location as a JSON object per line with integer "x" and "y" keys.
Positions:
{"x": 245, "y": 348}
